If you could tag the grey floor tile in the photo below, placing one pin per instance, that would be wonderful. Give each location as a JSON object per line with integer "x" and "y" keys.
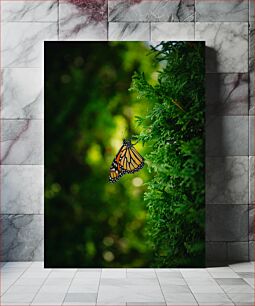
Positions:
{"x": 213, "y": 299}
{"x": 143, "y": 294}
{"x": 146, "y": 303}
{"x": 243, "y": 267}
{"x": 44, "y": 298}
{"x": 141, "y": 273}
{"x": 203, "y": 288}
{"x": 171, "y": 281}
{"x": 195, "y": 273}
{"x": 89, "y": 270}
{"x": 87, "y": 274}
{"x": 175, "y": 289}
{"x": 223, "y": 272}
{"x": 237, "y": 288}
{"x": 230, "y": 281}
{"x": 242, "y": 299}
{"x": 246, "y": 274}
{"x": 81, "y": 297}
{"x": 180, "y": 299}
{"x": 250, "y": 282}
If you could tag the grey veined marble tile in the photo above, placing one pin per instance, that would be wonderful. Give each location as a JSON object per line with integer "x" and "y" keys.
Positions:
{"x": 23, "y": 43}
{"x": 216, "y": 252}
{"x": 251, "y": 69}
{"x": 251, "y": 222}
{"x": 251, "y": 10}
{"x": 22, "y": 237}
{"x": 227, "y": 45}
{"x": 22, "y": 10}
{"x": 251, "y": 135}
{"x": 213, "y": 10}
{"x": 151, "y": 10}
{"x": 22, "y": 93}
{"x": 82, "y": 20}
{"x": 22, "y": 189}
{"x": 227, "y": 180}
{"x": 227, "y": 223}
{"x": 227, "y": 135}
{"x": 227, "y": 94}
{"x": 251, "y": 251}
{"x": 129, "y": 31}
{"x": 238, "y": 252}
{"x": 176, "y": 31}
{"x": 251, "y": 180}
{"x": 22, "y": 142}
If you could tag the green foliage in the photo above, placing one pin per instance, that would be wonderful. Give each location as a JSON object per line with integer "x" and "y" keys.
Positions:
{"x": 173, "y": 129}
{"x": 88, "y": 221}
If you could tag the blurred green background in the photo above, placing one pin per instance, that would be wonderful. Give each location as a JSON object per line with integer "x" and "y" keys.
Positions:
{"x": 89, "y": 110}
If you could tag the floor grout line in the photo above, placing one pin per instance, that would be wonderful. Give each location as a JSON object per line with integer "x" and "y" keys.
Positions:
{"x": 40, "y": 287}
{"x": 222, "y": 288}
{"x": 99, "y": 285}
{"x": 69, "y": 286}
{"x": 2, "y": 277}
{"x": 160, "y": 286}
{"x": 189, "y": 287}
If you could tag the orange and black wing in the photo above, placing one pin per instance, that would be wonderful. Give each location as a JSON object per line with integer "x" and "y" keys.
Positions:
{"x": 131, "y": 161}
{"x": 116, "y": 170}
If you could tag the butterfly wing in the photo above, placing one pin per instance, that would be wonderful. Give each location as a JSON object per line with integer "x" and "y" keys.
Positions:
{"x": 115, "y": 169}
{"x": 131, "y": 161}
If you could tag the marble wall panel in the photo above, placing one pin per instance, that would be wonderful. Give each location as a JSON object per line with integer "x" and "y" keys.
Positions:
{"x": 21, "y": 93}
{"x": 21, "y": 142}
{"x": 22, "y": 189}
{"x": 151, "y": 10}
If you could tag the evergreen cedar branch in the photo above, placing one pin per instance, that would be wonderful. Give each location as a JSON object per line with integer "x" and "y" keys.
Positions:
{"x": 174, "y": 130}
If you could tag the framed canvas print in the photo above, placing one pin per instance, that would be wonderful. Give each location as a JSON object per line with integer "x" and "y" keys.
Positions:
{"x": 124, "y": 154}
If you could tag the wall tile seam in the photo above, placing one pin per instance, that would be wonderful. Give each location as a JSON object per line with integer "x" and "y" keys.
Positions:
{"x": 23, "y": 21}
{"x": 21, "y": 164}
{"x": 233, "y": 205}
{"x": 22, "y": 214}
{"x": 229, "y": 155}
{"x": 228, "y": 241}
{"x": 168, "y": 22}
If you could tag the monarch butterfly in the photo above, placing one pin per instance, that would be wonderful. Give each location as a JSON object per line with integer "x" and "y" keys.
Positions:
{"x": 127, "y": 160}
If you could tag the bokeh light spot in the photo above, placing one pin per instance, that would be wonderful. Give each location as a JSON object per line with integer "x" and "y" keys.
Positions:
{"x": 137, "y": 181}
{"x": 108, "y": 256}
